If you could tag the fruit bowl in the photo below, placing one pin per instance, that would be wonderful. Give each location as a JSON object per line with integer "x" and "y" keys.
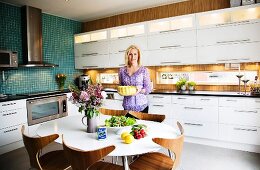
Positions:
{"x": 126, "y": 90}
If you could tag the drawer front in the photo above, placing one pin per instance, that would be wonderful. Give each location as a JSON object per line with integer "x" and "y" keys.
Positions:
{"x": 159, "y": 98}
{"x": 249, "y": 117}
{"x": 10, "y": 105}
{"x": 13, "y": 117}
{"x": 10, "y": 135}
{"x": 206, "y": 101}
{"x": 253, "y": 102}
{"x": 193, "y": 113}
{"x": 182, "y": 100}
{"x": 231, "y": 101}
{"x": 159, "y": 108}
{"x": 240, "y": 134}
{"x": 199, "y": 129}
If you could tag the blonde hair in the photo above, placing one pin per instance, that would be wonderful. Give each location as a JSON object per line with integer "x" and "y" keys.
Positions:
{"x": 128, "y": 51}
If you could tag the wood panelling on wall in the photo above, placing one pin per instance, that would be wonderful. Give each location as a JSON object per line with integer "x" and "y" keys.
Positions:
{"x": 153, "y": 70}
{"x": 175, "y": 9}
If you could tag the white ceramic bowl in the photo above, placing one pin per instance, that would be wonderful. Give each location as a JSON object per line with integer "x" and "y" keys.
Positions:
{"x": 119, "y": 130}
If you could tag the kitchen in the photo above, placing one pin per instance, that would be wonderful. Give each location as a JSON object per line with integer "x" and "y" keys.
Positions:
{"x": 218, "y": 86}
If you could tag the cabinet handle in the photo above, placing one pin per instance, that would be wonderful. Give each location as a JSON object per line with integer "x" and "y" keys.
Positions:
{"x": 10, "y": 130}
{"x": 89, "y": 42}
{"x": 181, "y": 98}
{"x": 230, "y": 41}
{"x": 12, "y": 113}
{"x": 194, "y": 108}
{"x": 246, "y": 111}
{"x": 89, "y": 54}
{"x": 121, "y": 64}
{"x": 158, "y": 105}
{"x": 89, "y": 66}
{"x": 239, "y": 22}
{"x": 122, "y": 51}
{"x": 170, "y": 62}
{"x": 158, "y": 97}
{"x": 8, "y": 104}
{"x": 231, "y": 100}
{"x": 193, "y": 124}
{"x": 129, "y": 36}
{"x": 257, "y": 101}
{"x": 169, "y": 31}
{"x": 244, "y": 129}
{"x": 170, "y": 46}
{"x": 205, "y": 99}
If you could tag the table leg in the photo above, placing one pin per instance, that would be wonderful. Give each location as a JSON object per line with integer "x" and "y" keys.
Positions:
{"x": 125, "y": 162}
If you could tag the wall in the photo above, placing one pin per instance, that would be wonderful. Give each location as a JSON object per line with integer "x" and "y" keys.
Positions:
{"x": 175, "y": 9}
{"x": 186, "y": 68}
{"x": 58, "y": 48}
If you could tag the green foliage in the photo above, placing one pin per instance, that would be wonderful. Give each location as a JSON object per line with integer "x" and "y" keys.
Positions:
{"x": 119, "y": 121}
{"x": 191, "y": 83}
{"x": 180, "y": 83}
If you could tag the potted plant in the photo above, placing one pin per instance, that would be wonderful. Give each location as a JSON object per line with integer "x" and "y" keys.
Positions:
{"x": 191, "y": 85}
{"x": 181, "y": 84}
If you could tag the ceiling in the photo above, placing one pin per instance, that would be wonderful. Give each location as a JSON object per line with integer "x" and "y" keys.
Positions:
{"x": 88, "y": 10}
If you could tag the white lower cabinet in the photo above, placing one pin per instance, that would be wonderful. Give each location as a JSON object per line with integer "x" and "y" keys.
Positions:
{"x": 240, "y": 134}
{"x": 10, "y": 134}
{"x": 200, "y": 129}
{"x": 113, "y": 104}
{"x": 13, "y": 116}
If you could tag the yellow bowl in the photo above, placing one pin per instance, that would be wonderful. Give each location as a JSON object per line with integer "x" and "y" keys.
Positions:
{"x": 126, "y": 90}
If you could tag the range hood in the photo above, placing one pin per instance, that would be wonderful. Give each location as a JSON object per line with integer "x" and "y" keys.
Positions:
{"x": 32, "y": 38}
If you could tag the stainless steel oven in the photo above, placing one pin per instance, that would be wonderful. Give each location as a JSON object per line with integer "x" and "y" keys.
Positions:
{"x": 45, "y": 108}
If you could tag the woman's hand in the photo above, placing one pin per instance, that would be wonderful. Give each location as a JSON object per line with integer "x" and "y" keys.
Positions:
{"x": 139, "y": 90}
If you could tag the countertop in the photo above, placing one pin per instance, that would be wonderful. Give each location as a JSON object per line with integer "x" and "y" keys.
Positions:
{"x": 196, "y": 93}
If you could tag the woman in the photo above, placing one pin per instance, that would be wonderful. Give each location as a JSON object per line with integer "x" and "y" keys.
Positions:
{"x": 133, "y": 74}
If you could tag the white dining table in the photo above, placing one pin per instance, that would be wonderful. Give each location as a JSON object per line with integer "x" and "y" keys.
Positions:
{"x": 75, "y": 135}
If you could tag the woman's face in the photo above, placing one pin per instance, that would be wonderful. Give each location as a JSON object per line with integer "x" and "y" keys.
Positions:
{"x": 133, "y": 56}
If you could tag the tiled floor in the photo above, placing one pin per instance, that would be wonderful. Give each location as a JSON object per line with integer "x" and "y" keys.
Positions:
{"x": 194, "y": 157}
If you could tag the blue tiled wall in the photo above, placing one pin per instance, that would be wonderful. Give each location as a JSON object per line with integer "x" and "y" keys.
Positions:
{"x": 57, "y": 48}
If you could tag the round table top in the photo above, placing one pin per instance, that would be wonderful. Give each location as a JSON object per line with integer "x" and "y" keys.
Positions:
{"x": 75, "y": 135}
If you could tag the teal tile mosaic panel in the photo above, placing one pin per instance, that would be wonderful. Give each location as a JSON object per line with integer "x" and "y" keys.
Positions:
{"x": 58, "y": 48}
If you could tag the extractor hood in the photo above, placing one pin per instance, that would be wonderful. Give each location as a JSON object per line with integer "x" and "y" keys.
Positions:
{"x": 32, "y": 38}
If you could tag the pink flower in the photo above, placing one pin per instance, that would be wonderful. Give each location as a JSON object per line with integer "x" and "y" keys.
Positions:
{"x": 84, "y": 96}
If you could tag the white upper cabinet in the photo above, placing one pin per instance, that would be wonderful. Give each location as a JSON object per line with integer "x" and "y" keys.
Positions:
{"x": 228, "y": 17}
{"x": 91, "y": 50}
{"x": 230, "y": 34}
{"x": 173, "y": 24}
{"x": 124, "y": 36}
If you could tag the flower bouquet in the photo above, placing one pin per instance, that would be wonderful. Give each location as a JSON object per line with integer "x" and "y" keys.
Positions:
{"x": 89, "y": 101}
{"x": 61, "y": 78}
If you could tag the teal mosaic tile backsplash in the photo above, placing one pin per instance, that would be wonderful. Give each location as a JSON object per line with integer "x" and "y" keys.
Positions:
{"x": 58, "y": 48}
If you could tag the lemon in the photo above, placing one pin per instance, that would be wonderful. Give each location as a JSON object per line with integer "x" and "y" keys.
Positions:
{"x": 124, "y": 134}
{"x": 128, "y": 139}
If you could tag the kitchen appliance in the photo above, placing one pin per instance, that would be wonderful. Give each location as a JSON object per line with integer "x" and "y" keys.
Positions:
{"x": 84, "y": 80}
{"x": 8, "y": 59}
{"x": 46, "y": 108}
{"x": 32, "y": 38}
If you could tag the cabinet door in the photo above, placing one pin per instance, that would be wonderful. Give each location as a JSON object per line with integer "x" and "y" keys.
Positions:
{"x": 240, "y": 116}
{"x": 172, "y": 56}
{"x": 10, "y": 134}
{"x": 172, "y": 39}
{"x": 235, "y": 53}
{"x": 13, "y": 113}
{"x": 117, "y": 59}
{"x": 95, "y": 48}
{"x": 199, "y": 129}
{"x": 113, "y": 104}
{"x": 121, "y": 44}
{"x": 92, "y": 61}
{"x": 229, "y": 34}
{"x": 240, "y": 134}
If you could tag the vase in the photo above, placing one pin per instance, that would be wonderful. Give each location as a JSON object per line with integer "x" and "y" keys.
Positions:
{"x": 61, "y": 87}
{"x": 183, "y": 88}
{"x": 91, "y": 123}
